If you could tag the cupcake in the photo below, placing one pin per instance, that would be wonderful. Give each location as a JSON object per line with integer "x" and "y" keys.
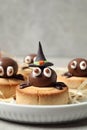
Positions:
{"x": 9, "y": 78}
{"x": 42, "y": 87}
{"x": 76, "y": 75}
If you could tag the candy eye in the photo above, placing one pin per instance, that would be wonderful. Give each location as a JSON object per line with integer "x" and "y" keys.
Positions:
{"x": 10, "y": 71}
{"x": 34, "y": 59}
{"x": 47, "y": 72}
{"x": 36, "y": 71}
{"x": 27, "y": 60}
{"x": 83, "y": 65}
{"x": 74, "y": 65}
{"x": 1, "y": 71}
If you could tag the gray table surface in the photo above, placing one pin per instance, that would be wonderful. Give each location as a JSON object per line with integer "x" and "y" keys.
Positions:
{"x": 75, "y": 125}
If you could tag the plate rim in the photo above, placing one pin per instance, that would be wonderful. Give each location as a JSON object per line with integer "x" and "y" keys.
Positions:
{"x": 42, "y": 113}
{"x": 44, "y": 106}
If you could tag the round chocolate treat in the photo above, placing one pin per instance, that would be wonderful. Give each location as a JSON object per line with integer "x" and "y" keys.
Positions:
{"x": 29, "y": 58}
{"x": 78, "y": 67}
{"x": 42, "y": 77}
{"x": 8, "y": 67}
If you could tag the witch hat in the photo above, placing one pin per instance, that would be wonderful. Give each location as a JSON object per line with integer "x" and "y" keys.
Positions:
{"x": 40, "y": 60}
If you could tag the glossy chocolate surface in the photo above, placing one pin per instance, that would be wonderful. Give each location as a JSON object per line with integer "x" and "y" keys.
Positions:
{"x": 67, "y": 74}
{"x": 32, "y": 56}
{"x": 42, "y": 75}
{"x": 5, "y": 62}
{"x": 42, "y": 80}
{"x": 77, "y": 71}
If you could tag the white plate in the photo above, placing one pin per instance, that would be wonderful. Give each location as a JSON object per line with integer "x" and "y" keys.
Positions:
{"x": 42, "y": 114}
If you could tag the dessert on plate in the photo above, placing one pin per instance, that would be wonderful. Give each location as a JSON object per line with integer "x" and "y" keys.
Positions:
{"x": 29, "y": 58}
{"x": 9, "y": 78}
{"x": 24, "y": 68}
{"x": 42, "y": 87}
{"x": 76, "y": 75}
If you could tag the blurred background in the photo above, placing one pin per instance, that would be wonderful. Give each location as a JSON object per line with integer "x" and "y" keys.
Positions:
{"x": 60, "y": 25}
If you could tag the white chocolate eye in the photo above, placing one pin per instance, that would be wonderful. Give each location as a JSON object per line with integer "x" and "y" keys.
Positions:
{"x": 47, "y": 72}
{"x": 10, "y": 71}
{"x": 34, "y": 59}
{"x": 27, "y": 59}
{"x": 36, "y": 71}
{"x": 74, "y": 65}
{"x": 1, "y": 71}
{"x": 83, "y": 65}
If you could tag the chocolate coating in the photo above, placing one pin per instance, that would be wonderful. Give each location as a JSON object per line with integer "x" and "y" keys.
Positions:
{"x": 40, "y": 54}
{"x": 78, "y": 71}
{"x": 42, "y": 75}
{"x": 42, "y": 80}
{"x": 67, "y": 74}
{"x": 32, "y": 56}
{"x": 60, "y": 85}
{"x": 6, "y": 62}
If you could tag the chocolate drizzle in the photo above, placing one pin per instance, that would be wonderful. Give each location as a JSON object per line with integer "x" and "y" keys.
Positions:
{"x": 60, "y": 85}
{"x": 25, "y": 67}
{"x": 67, "y": 74}
{"x": 19, "y": 76}
{"x": 24, "y": 85}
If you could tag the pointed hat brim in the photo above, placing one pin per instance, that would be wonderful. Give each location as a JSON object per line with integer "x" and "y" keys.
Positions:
{"x": 43, "y": 65}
